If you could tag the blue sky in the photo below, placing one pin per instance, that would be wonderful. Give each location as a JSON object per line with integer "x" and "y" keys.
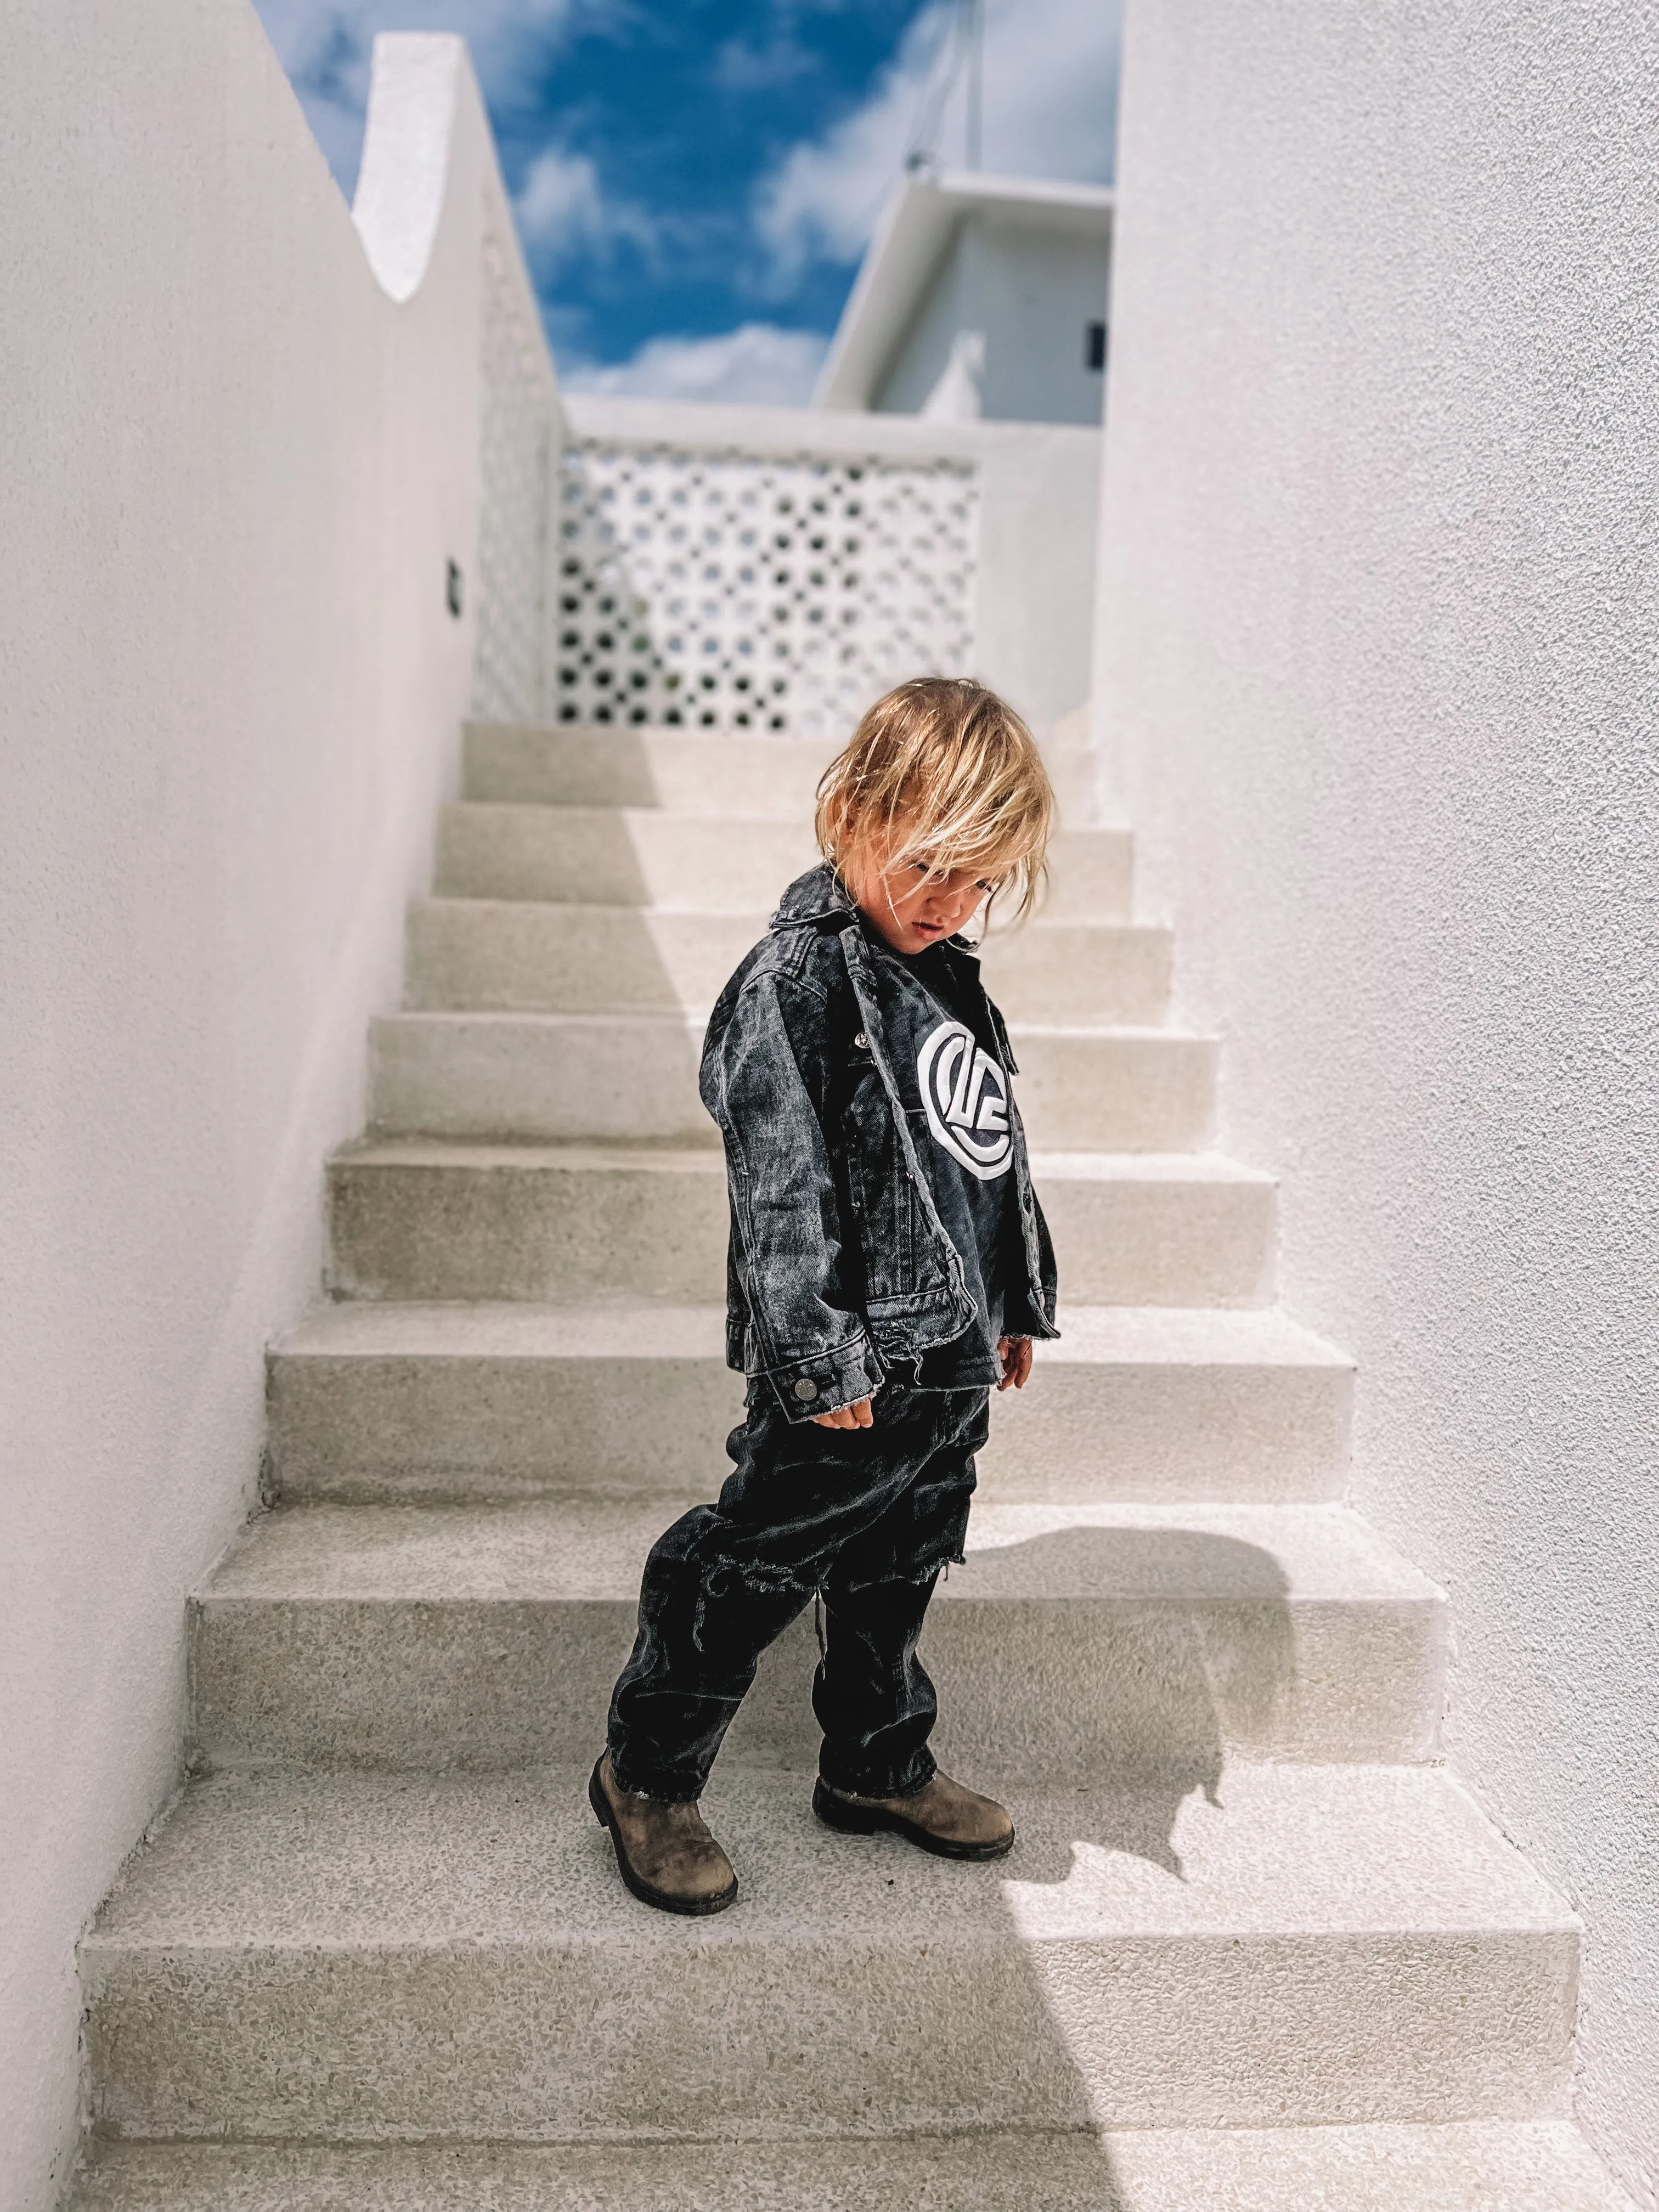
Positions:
{"x": 696, "y": 179}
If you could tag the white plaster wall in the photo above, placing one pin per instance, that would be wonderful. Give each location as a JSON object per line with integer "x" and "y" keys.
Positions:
{"x": 1037, "y": 567}
{"x": 1032, "y": 293}
{"x": 925, "y": 348}
{"x": 231, "y": 473}
{"x": 1034, "y": 593}
{"x": 1378, "y": 663}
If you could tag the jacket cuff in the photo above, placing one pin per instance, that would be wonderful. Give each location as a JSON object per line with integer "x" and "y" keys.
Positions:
{"x": 830, "y": 1379}
{"x": 1020, "y": 1317}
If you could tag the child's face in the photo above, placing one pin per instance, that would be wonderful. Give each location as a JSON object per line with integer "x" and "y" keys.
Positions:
{"x": 913, "y": 906}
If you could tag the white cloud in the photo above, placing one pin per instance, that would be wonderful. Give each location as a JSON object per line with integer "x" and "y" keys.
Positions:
{"x": 558, "y": 204}
{"x": 758, "y": 365}
{"x": 741, "y": 68}
{"x": 822, "y": 201}
{"x": 310, "y": 35}
{"x": 561, "y": 210}
{"x": 1050, "y": 104}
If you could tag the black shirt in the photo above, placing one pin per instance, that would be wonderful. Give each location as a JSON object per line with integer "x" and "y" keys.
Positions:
{"x": 955, "y": 1091}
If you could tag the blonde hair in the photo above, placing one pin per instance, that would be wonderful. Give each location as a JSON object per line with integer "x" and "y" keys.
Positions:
{"x": 941, "y": 772}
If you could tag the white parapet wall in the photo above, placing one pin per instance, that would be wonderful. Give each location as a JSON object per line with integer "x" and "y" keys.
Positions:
{"x": 243, "y": 443}
{"x": 771, "y": 569}
{"x": 1378, "y": 662}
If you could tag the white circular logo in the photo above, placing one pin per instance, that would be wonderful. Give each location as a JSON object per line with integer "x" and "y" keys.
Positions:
{"x": 966, "y": 1095}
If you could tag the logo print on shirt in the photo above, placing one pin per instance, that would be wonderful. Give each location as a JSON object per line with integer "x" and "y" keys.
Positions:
{"x": 966, "y": 1095}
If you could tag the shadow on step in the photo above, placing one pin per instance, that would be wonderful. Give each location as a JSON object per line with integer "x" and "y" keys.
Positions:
{"x": 1082, "y": 1658}
{"x": 1144, "y": 1653}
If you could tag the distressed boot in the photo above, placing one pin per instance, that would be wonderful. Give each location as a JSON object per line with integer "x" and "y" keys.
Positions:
{"x": 664, "y": 1852}
{"x": 941, "y": 1817}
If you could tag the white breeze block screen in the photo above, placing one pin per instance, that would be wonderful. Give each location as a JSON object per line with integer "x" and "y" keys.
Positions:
{"x": 723, "y": 588}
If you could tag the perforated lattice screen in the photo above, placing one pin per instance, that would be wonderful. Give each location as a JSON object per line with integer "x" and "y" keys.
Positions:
{"x": 728, "y": 588}
{"x": 514, "y": 440}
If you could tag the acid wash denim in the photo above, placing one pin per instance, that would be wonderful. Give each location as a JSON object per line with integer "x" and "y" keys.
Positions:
{"x": 865, "y": 1518}
{"x": 840, "y": 1278}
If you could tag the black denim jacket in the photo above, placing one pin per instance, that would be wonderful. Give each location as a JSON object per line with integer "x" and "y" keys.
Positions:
{"x": 838, "y": 1263}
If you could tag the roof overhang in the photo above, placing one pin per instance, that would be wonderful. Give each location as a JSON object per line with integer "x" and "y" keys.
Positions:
{"x": 911, "y": 240}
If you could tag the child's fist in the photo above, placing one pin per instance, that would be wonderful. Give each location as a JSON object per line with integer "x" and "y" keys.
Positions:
{"x": 1015, "y": 1354}
{"x": 847, "y": 1416}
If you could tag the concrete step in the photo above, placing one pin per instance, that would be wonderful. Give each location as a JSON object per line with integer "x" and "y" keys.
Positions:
{"x": 692, "y": 771}
{"x": 1076, "y": 1642}
{"x": 723, "y": 864}
{"x": 415, "y": 1220}
{"x": 525, "y": 956}
{"x": 619, "y": 856}
{"x": 451, "y": 1221}
{"x": 371, "y": 1401}
{"x": 1478, "y": 2165}
{"x": 1074, "y": 774}
{"x": 556, "y": 1077}
{"x": 551, "y": 1077}
{"x": 689, "y": 771}
{"x": 1070, "y": 972}
{"x": 365, "y": 1957}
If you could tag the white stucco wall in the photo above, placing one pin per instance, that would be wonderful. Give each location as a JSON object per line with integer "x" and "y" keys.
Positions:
{"x": 232, "y": 472}
{"x": 924, "y": 350}
{"x": 1378, "y": 663}
{"x": 1031, "y": 293}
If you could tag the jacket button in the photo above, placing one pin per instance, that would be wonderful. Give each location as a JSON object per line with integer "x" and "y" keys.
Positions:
{"x": 806, "y": 1388}
{"x": 861, "y": 1041}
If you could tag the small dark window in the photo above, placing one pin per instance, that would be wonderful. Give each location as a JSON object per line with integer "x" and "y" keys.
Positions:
{"x": 1094, "y": 345}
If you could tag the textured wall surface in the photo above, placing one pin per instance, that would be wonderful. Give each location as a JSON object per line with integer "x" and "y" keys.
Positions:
{"x": 232, "y": 473}
{"x": 1379, "y": 680}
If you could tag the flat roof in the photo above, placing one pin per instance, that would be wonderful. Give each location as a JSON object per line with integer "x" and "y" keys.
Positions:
{"x": 911, "y": 240}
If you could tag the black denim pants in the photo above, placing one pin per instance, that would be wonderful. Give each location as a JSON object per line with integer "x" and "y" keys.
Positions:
{"x": 865, "y": 1517}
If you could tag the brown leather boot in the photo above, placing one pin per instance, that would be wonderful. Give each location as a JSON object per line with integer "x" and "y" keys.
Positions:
{"x": 942, "y": 1817}
{"x": 664, "y": 1852}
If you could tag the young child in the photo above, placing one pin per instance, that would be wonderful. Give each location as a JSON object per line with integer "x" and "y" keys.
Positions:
{"x": 889, "y": 1262}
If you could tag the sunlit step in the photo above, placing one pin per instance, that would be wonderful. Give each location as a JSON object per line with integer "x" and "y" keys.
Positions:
{"x": 647, "y": 856}
{"x": 525, "y": 956}
{"x": 416, "y": 1218}
{"x": 366, "y": 1956}
{"x": 551, "y": 1078}
{"x": 371, "y": 1401}
{"x": 1076, "y": 1642}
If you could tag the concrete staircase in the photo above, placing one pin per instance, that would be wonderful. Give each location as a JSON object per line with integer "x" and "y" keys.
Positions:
{"x": 1256, "y": 1950}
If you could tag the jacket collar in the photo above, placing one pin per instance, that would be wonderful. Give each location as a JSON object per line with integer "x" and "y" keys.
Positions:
{"x": 821, "y": 896}
{"x": 818, "y": 896}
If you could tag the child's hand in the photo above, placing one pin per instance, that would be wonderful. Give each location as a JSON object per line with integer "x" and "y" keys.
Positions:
{"x": 1015, "y": 1354}
{"x": 847, "y": 1416}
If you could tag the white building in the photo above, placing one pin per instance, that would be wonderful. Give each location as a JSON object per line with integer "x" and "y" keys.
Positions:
{"x": 980, "y": 298}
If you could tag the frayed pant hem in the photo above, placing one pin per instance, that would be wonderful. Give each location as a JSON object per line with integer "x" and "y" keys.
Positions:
{"x": 909, "y": 1784}
{"x": 654, "y": 1793}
